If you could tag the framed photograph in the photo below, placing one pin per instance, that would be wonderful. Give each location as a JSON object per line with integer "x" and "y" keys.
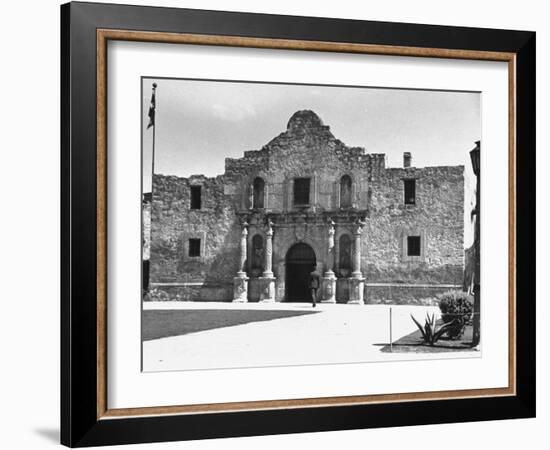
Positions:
{"x": 277, "y": 224}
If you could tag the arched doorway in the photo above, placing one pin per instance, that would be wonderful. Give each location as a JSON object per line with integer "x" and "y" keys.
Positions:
{"x": 300, "y": 262}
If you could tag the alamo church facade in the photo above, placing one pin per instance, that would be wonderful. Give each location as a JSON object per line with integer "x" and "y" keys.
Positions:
{"x": 375, "y": 234}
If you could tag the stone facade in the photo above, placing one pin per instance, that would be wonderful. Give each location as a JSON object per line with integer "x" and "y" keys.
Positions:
{"x": 146, "y": 231}
{"x": 347, "y": 211}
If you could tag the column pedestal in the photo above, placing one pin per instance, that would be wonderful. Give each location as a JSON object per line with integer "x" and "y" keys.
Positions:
{"x": 240, "y": 288}
{"x": 328, "y": 287}
{"x": 356, "y": 288}
{"x": 267, "y": 293}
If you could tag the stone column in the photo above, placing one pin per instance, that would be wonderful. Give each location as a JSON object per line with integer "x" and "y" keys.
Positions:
{"x": 330, "y": 248}
{"x": 267, "y": 279}
{"x": 240, "y": 282}
{"x": 357, "y": 282}
{"x": 328, "y": 288}
{"x": 268, "y": 266}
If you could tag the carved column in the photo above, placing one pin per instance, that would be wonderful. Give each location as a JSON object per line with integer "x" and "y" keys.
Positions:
{"x": 330, "y": 247}
{"x": 268, "y": 272}
{"x": 357, "y": 282}
{"x": 328, "y": 290}
{"x": 267, "y": 279}
{"x": 357, "y": 251}
{"x": 240, "y": 282}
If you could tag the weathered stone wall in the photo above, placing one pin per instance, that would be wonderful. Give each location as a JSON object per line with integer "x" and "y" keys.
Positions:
{"x": 173, "y": 223}
{"x": 146, "y": 229}
{"x": 396, "y": 294}
{"x": 437, "y": 217}
{"x": 306, "y": 149}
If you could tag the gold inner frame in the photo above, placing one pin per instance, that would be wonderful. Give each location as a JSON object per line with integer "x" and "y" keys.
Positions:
{"x": 104, "y": 35}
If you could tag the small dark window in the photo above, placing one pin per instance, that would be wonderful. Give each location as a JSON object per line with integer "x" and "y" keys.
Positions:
{"x": 413, "y": 245}
{"x": 259, "y": 193}
{"x": 301, "y": 191}
{"x": 410, "y": 192}
{"x": 194, "y": 247}
{"x": 195, "y": 197}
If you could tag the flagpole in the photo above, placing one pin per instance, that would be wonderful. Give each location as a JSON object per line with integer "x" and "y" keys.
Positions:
{"x": 153, "y": 121}
{"x": 154, "y": 132}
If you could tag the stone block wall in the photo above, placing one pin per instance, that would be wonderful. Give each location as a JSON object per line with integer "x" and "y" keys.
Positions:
{"x": 146, "y": 229}
{"x": 173, "y": 223}
{"x": 437, "y": 217}
{"x": 396, "y": 294}
{"x": 306, "y": 149}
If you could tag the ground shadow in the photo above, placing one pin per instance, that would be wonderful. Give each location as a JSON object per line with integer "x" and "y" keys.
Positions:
{"x": 167, "y": 323}
{"x": 50, "y": 434}
{"x": 412, "y": 343}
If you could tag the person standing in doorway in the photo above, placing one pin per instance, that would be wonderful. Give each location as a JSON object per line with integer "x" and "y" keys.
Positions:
{"x": 314, "y": 281}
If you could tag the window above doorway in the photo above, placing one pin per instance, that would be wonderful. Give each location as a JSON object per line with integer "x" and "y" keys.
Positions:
{"x": 302, "y": 191}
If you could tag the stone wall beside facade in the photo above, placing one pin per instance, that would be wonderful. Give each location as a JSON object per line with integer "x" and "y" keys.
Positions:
{"x": 437, "y": 217}
{"x": 174, "y": 224}
{"x": 146, "y": 226}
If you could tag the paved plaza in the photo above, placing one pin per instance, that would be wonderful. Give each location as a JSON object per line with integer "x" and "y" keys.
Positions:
{"x": 278, "y": 334}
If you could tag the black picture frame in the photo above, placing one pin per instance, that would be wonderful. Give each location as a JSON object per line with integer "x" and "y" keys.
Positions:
{"x": 80, "y": 424}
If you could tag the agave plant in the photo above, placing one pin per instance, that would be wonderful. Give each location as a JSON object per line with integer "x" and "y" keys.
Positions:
{"x": 430, "y": 332}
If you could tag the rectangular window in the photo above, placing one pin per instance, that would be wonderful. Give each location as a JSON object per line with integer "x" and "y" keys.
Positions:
{"x": 195, "y": 197}
{"x": 413, "y": 245}
{"x": 410, "y": 192}
{"x": 194, "y": 247}
{"x": 301, "y": 191}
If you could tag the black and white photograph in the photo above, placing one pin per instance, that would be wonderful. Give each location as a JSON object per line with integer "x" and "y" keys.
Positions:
{"x": 295, "y": 224}
{"x": 275, "y": 225}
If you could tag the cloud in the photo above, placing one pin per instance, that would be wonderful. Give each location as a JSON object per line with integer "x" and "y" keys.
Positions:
{"x": 233, "y": 113}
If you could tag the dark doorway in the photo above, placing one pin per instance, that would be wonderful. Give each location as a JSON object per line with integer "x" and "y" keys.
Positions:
{"x": 300, "y": 262}
{"x": 145, "y": 275}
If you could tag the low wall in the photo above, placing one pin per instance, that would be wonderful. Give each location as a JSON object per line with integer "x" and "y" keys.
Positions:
{"x": 190, "y": 292}
{"x": 375, "y": 294}
{"x": 406, "y": 294}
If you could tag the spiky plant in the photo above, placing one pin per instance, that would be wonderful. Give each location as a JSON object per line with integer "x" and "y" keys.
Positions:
{"x": 430, "y": 332}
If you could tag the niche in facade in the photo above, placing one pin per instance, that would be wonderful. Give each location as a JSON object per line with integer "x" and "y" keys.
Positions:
{"x": 258, "y": 197}
{"x": 257, "y": 257}
{"x": 345, "y": 192}
{"x": 345, "y": 255}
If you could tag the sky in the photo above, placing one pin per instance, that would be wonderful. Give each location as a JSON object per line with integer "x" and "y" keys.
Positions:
{"x": 201, "y": 122}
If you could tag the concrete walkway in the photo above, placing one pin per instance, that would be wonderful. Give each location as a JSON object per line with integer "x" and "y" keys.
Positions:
{"x": 337, "y": 334}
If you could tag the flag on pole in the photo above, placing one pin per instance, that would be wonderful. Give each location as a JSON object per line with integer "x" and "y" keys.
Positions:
{"x": 152, "y": 108}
